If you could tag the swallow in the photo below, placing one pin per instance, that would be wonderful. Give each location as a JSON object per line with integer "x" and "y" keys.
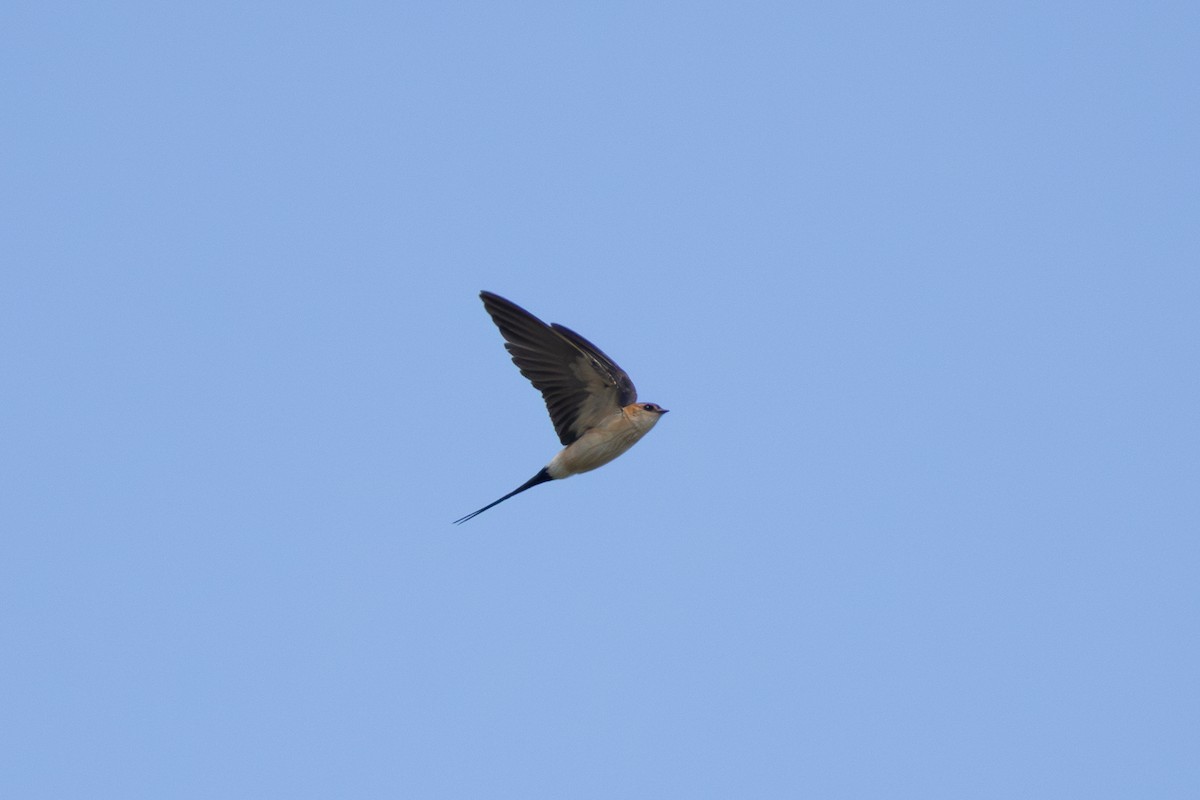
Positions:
{"x": 591, "y": 400}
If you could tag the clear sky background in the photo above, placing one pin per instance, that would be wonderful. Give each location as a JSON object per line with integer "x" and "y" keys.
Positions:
{"x": 919, "y": 282}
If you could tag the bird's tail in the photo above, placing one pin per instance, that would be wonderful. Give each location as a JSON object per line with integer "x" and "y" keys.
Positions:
{"x": 541, "y": 477}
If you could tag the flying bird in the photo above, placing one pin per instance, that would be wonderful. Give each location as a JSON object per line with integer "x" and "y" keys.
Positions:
{"x": 591, "y": 400}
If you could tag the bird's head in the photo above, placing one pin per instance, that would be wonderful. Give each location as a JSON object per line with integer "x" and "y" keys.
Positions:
{"x": 644, "y": 415}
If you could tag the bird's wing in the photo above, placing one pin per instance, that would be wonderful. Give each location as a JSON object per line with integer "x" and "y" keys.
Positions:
{"x": 581, "y": 385}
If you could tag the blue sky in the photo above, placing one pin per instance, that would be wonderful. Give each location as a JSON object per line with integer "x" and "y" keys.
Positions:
{"x": 917, "y": 281}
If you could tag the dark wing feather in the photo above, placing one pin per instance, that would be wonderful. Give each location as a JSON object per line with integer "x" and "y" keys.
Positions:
{"x": 580, "y": 384}
{"x": 626, "y": 393}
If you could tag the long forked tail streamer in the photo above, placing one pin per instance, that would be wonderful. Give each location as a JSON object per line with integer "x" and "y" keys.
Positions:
{"x": 541, "y": 477}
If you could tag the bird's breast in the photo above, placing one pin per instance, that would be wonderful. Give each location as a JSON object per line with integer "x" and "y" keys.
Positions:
{"x": 596, "y": 448}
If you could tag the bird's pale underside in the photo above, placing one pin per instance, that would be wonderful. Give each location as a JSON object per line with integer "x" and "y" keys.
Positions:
{"x": 592, "y": 402}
